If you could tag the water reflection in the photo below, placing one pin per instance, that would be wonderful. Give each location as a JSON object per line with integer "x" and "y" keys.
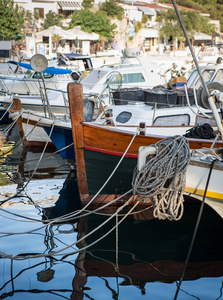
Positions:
{"x": 49, "y": 250}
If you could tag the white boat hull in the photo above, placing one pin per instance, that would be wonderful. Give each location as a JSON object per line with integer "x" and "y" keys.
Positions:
{"x": 197, "y": 177}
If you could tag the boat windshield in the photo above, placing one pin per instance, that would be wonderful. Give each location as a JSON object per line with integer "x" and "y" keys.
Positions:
{"x": 93, "y": 78}
{"x": 194, "y": 79}
{"x": 28, "y": 74}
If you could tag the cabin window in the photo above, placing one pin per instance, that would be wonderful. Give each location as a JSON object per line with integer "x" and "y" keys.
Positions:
{"x": 45, "y": 75}
{"x": 28, "y": 74}
{"x": 123, "y": 117}
{"x": 177, "y": 120}
{"x": 133, "y": 78}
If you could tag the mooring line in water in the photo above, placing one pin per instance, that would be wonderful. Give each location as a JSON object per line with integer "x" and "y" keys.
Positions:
{"x": 133, "y": 213}
{"x": 7, "y": 110}
{"x": 84, "y": 208}
{"x": 58, "y": 253}
{"x": 110, "y": 262}
{"x": 114, "y": 170}
{"x": 21, "y": 141}
{"x": 55, "y": 220}
{"x": 195, "y": 229}
{"x": 51, "y": 153}
{"x": 23, "y": 188}
{"x": 9, "y": 127}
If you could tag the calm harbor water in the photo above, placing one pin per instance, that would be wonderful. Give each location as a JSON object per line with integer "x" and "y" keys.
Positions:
{"x": 143, "y": 259}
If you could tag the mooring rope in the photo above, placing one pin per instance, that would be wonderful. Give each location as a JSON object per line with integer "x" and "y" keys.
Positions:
{"x": 162, "y": 179}
{"x": 6, "y": 111}
{"x": 60, "y": 252}
{"x": 6, "y": 130}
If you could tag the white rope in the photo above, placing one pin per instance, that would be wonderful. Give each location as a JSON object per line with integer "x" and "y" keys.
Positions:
{"x": 60, "y": 252}
{"x": 11, "y": 125}
{"x": 6, "y": 110}
{"x": 162, "y": 180}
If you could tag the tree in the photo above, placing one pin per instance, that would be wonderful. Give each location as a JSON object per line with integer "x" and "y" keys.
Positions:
{"x": 11, "y": 18}
{"x": 52, "y": 19}
{"x": 93, "y": 22}
{"x": 55, "y": 39}
{"x": 111, "y": 8}
{"x": 144, "y": 19}
{"x": 192, "y": 20}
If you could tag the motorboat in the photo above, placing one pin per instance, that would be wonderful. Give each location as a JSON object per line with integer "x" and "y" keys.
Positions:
{"x": 30, "y": 82}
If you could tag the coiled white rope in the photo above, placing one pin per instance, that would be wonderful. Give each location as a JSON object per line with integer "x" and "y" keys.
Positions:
{"x": 162, "y": 179}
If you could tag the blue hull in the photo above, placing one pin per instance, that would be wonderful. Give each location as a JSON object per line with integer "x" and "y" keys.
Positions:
{"x": 62, "y": 137}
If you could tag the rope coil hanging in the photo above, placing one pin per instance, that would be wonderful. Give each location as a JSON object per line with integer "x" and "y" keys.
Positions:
{"x": 162, "y": 180}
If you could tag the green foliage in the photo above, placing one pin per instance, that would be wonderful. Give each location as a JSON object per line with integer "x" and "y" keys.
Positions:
{"x": 93, "y": 22}
{"x": 144, "y": 19}
{"x": 212, "y": 7}
{"x": 192, "y": 20}
{"x": 111, "y": 8}
{"x": 139, "y": 24}
{"x": 136, "y": 28}
{"x": 36, "y": 14}
{"x": 52, "y": 19}
{"x": 11, "y": 18}
{"x": 86, "y": 4}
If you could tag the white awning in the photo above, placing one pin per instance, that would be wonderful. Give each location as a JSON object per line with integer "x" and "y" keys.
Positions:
{"x": 199, "y": 36}
{"x": 147, "y": 11}
{"x": 70, "y": 5}
{"x": 150, "y": 33}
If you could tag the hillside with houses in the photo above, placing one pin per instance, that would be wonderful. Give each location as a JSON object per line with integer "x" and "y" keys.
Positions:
{"x": 138, "y": 28}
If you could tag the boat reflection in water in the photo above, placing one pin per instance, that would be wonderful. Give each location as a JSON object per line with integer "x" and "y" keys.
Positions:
{"x": 65, "y": 258}
{"x": 142, "y": 250}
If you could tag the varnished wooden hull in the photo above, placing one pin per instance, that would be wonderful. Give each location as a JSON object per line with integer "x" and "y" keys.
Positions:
{"x": 98, "y": 149}
{"x": 104, "y": 147}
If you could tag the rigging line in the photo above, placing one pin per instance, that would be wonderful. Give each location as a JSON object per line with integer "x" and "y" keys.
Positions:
{"x": 191, "y": 49}
{"x": 196, "y": 228}
{"x": 116, "y": 242}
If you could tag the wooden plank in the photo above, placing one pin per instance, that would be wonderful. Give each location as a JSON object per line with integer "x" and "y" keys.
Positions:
{"x": 75, "y": 95}
{"x": 18, "y": 107}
